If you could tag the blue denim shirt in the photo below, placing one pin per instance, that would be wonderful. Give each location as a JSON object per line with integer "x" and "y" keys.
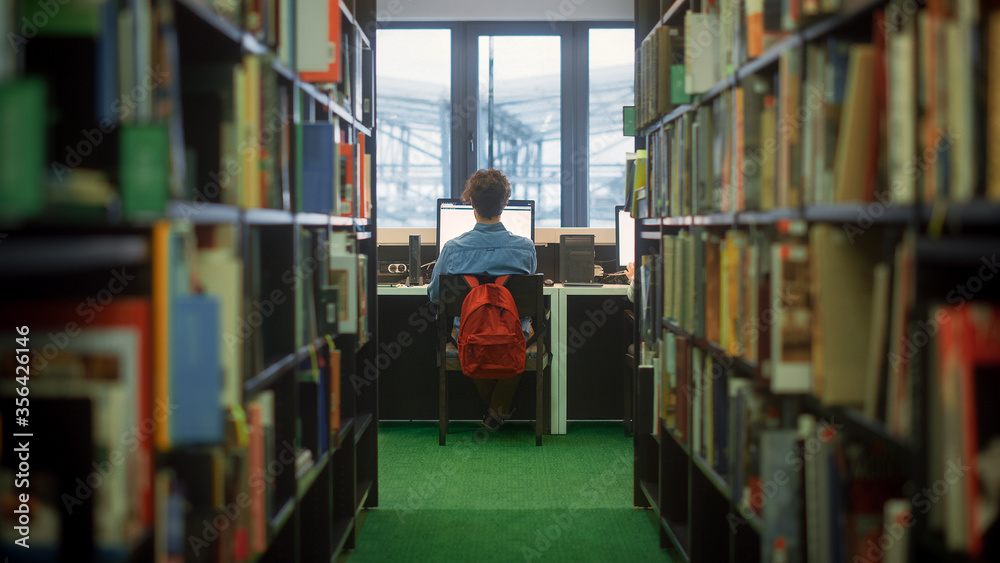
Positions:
{"x": 489, "y": 249}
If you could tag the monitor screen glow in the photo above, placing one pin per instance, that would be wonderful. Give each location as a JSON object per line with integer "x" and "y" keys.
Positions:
{"x": 456, "y": 218}
{"x": 625, "y": 236}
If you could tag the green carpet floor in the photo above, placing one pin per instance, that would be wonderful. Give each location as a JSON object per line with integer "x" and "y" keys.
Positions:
{"x": 498, "y": 498}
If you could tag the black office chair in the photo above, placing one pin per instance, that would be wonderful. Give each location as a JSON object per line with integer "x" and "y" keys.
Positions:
{"x": 527, "y": 293}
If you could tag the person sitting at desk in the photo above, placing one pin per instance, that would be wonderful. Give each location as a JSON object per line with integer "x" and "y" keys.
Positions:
{"x": 492, "y": 250}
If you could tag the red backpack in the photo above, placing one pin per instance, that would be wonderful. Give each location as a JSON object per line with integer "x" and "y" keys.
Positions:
{"x": 490, "y": 341}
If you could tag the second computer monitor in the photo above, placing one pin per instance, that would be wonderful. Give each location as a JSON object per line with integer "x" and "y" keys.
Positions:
{"x": 455, "y": 218}
{"x": 624, "y": 236}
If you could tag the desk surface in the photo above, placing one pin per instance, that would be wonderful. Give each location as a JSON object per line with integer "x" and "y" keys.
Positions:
{"x": 606, "y": 289}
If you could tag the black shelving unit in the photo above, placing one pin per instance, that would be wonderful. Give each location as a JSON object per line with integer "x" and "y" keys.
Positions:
{"x": 698, "y": 509}
{"x": 312, "y": 512}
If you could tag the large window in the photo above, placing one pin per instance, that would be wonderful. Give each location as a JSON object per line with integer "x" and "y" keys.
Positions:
{"x": 414, "y": 124}
{"x": 540, "y": 101}
{"x": 519, "y": 121}
{"x": 612, "y": 70}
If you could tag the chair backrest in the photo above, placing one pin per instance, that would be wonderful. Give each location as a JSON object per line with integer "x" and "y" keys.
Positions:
{"x": 525, "y": 289}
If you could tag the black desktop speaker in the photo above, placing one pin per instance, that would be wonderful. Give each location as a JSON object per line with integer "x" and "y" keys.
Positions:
{"x": 576, "y": 258}
{"x": 414, "y": 260}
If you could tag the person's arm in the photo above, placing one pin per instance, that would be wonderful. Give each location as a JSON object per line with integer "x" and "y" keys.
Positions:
{"x": 630, "y": 274}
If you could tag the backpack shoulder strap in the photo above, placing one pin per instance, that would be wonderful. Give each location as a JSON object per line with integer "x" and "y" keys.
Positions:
{"x": 471, "y": 280}
{"x": 502, "y": 280}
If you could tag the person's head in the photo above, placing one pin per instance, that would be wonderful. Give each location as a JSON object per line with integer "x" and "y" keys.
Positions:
{"x": 488, "y": 192}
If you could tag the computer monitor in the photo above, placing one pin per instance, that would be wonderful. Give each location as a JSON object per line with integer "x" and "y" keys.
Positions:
{"x": 455, "y": 218}
{"x": 624, "y": 236}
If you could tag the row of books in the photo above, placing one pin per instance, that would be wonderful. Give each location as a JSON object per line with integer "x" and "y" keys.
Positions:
{"x": 316, "y": 33}
{"x": 216, "y": 503}
{"x": 851, "y": 492}
{"x": 125, "y": 136}
{"x": 817, "y": 132}
{"x": 174, "y": 377}
{"x": 659, "y": 74}
{"x": 818, "y": 314}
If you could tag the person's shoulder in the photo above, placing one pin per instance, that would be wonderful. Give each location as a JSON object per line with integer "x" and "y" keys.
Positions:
{"x": 457, "y": 240}
{"x": 521, "y": 241}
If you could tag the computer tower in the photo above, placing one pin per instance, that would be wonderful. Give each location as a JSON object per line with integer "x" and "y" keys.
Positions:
{"x": 576, "y": 258}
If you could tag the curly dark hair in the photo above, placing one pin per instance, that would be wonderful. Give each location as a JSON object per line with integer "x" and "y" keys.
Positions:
{"x": 488, "y": 191}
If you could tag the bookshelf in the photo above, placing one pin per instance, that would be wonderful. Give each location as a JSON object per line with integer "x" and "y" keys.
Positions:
{"x": 188, "y": 231}
{"x": 818, "y": 213}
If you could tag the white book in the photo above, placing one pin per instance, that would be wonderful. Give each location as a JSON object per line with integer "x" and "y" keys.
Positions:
{"x": 312, "y": 51}
{"x": 701, "y": 52}
{"x": 902, "y": 116}
{"x": 961, "y": 112}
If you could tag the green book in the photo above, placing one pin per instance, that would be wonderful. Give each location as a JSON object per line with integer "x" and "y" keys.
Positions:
{"x": 677, "y": 93}
{"x": 76, "y": 18}
{"x": 145, "y": 170}
{"x": 22, "y": 148}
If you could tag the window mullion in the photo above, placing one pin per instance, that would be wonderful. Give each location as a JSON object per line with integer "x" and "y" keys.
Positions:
{"x": 581, "y": 120}
{"x": 569, "y": 125}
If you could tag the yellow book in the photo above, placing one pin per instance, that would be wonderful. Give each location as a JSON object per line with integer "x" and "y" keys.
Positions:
{"x": 161, "y": 326}
{"x": 663, "y": 61}
{"x": 250, "y": 137}
{"x": 851, "y": 165}
{"x": 221, "y": 274}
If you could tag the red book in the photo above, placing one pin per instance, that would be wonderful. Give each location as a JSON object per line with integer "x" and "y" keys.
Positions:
{"x": 53, "y": 324}
{"x": 258, "y": 500}
{"x": 969, "y": 379}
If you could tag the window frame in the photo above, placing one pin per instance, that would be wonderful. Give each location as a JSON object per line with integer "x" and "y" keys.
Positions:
{"x": 574, "y": 99}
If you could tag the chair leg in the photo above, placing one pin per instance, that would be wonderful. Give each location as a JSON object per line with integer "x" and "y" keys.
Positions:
{"x": 628, "y": 400}
{"x": 442, "y": 406}
{"x": 539, "y": 402}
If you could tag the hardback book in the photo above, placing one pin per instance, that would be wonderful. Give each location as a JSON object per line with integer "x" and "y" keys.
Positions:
{"x": 701, "y": 58}
{"x": 781, "y": 540}
{"x": 220, "y": 271}
{"x": 842, "y": 300}
{"x": 195, "y": 371}
{"x": 968, "y": 365}
{"x": 902, "y": 112}
{"x": 713, "y": 289}
{"x": 875, "y": 367}
{"x": 993, "y": 106}
{"x": 343, "y": 272}
{"x": 754, "y": 26}
{"x": 145, "y": 170}
{"x": 854, "y": 143}
{"x": 791, "y": 357}
{"x": 317, "y": 41}
{"x": 317, "y": 173}
{"x": 22, "y": 148}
